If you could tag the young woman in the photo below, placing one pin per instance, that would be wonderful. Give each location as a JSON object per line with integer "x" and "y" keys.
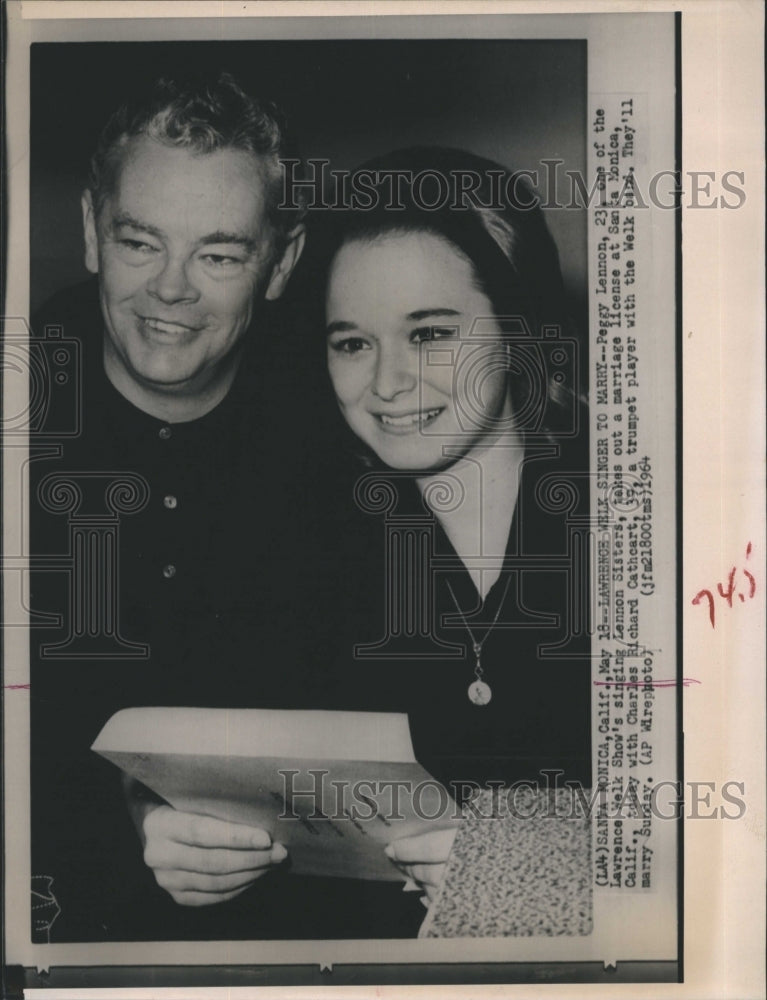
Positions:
{"x": 451, "y": 367}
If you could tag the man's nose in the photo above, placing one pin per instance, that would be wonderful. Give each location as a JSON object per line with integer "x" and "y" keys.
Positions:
{"x": 394, "y": 374}
{"x": 171, "y": 282}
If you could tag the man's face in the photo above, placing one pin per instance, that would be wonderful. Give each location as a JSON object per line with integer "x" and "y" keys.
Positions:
{"x": 184, "y": 250}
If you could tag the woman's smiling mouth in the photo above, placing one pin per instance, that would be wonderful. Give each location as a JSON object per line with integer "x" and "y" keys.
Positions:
{"x": 404, "y": 423}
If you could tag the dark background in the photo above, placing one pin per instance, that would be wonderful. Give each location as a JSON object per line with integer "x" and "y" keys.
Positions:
{"x": 514, "y": 101}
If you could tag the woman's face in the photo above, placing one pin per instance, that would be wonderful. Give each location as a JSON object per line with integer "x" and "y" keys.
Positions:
{"x": 415, "y": 352}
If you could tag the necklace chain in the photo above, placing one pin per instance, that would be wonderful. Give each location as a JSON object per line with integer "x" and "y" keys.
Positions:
{"x": 477, "y": 644}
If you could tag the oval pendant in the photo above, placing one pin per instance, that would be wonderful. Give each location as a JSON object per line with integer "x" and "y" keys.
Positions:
{"x": 480, "y": 693}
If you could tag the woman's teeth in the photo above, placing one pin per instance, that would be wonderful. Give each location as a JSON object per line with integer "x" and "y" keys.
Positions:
{"x": 409, "y": 419}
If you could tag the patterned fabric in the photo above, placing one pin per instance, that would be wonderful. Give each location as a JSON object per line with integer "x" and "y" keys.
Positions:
{"x": 523, "y": 872}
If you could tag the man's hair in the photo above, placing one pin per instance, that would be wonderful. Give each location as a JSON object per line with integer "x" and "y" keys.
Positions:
{"x": 203, "y": 116}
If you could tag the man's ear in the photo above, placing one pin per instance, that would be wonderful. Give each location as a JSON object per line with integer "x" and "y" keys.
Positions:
{"x": 89, "y": 232}
{"x": 287, "y": 261}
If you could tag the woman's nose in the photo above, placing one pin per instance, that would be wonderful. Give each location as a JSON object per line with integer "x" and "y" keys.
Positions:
{"x": 171, "y": 284}
{"x": 394, "y": 374}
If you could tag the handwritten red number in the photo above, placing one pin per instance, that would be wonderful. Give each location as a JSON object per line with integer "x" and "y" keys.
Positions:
{"x": 728, "y": 591}
{"x": 727, "y": 595}
{"x": 751, "y": 580}
{"x": 699, "y": 597}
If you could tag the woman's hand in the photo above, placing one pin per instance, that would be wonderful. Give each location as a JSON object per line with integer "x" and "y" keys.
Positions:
{"x": 423, "y": 857}
{"x": 200, "y": 860}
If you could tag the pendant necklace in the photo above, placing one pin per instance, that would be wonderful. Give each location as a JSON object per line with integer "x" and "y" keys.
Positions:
{"x": 479, "y": 691}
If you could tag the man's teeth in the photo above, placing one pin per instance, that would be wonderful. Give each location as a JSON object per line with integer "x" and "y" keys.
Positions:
{"x": 162, "y": 327}
{"x": 409, "y": 419}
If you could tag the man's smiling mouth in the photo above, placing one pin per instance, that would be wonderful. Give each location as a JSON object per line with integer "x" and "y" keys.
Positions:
{"x": 166, "y": 327}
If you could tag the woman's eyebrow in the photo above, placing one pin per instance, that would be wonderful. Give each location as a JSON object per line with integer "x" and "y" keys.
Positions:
{"x": 420, "y": 314}
{"x": 341, "y": 326}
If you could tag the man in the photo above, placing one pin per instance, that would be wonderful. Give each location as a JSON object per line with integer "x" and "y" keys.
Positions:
{"x": 181, "y": 226}
{"x": 184, "y": 403}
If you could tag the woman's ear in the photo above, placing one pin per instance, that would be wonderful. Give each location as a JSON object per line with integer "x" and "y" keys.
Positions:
{"x": 89, "y": 232}
{"x": 289, "y": 258}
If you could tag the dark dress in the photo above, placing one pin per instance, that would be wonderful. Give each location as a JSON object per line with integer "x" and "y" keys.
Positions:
{"x": 414, "y": 652}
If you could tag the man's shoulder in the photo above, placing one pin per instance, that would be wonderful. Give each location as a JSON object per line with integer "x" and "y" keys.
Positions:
{"x": 73, "y": 311}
